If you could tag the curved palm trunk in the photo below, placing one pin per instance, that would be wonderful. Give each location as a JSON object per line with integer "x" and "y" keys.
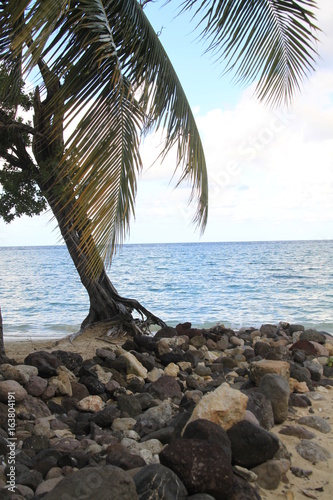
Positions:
{"x": 105, "y": 302}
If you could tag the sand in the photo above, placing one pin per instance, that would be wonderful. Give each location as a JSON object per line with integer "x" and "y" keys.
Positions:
{"x": 319, "y": 485}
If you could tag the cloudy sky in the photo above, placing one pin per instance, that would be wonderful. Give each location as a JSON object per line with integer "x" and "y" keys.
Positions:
{"x": 270, "y": 171}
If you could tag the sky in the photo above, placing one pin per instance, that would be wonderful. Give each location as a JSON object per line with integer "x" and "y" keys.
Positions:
{"x": 270, "y": 170}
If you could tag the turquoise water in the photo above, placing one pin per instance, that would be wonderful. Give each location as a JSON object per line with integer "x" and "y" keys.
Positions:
{"x": 237, "y": 284}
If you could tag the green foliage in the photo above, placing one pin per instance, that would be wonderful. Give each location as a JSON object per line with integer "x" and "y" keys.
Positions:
{"x": 20, "y": 195}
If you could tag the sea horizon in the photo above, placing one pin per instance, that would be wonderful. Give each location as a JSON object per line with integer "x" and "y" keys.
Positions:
{"x": 238, "y": 284}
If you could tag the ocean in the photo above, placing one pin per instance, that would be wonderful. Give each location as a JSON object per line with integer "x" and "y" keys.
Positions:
{"x": 235, "y": 284}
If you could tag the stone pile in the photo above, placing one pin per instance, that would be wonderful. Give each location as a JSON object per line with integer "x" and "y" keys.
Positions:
{"x": 185, "y": 414}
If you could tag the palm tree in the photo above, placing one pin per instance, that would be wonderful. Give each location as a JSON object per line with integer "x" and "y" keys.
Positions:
{"x": 100, "y": 70}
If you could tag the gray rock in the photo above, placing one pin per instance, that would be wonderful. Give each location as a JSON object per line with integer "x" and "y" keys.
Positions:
{"x": 153, "y": 419}
{"x": 36, "y": 386}
{"x": 316, "y": 370}
{"x": 261, "y": 408}
{"x": 12, "y": 386}
{"x": 103, "y": 483}
{"x": 313, "y": 336}
{"x": 312, "y": 451}
{"x": 271, "y": 473}
{"x": 297, "y": 431}
{"x": 32, "y": 408}
{"x": 120, "y": 457}
{"x": 277, "y": 390}
{"x": 31, "y": 478}
{"x": 155, "y": 481}
{"x": 243, "y": 490}
{"x": 318, "y": 423}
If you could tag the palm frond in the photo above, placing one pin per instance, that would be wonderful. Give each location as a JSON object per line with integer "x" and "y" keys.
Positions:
{"x": 273, "y": 41}
{"x": 109, "y": 59}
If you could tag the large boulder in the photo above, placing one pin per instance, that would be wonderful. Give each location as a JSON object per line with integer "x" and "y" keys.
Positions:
{"x": 224, "y": 406}
{"x": 251, "y": 445}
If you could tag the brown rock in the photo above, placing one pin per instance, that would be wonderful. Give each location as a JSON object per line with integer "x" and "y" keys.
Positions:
{"x": 258, "y": 369}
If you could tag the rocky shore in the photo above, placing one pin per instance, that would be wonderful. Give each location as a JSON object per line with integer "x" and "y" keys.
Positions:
{"x": 184, "y": 414}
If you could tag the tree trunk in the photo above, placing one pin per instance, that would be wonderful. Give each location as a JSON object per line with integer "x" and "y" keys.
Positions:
{"x": 105, "y": 302}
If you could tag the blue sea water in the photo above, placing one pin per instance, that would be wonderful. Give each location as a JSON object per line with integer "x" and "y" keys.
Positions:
{"x": 236, "y": 284}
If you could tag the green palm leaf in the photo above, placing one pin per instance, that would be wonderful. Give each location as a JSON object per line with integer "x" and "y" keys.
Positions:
{"x": 269, "y": 40}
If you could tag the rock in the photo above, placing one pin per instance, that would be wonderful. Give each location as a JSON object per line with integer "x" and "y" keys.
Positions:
{"x": 32, "y": 408}
{"x": 297, "y": 431}
{"x": 202, "y": 466}
{"x": 93, "y": 385}
{"x": 258, "y": 369}
{"x": 36, "y": 443}
{"x": 123, "y": 424}
{"x": 45, "y": 362}
{"x": 66, "y": 445}
{"x": 269, "y": 331}
{"x": 31, "y": 478}
{"x": 305, "y": 346}
{"x": 251, "y": 445}
{"x": 171, "y": 370}
{"x": 71, "y": 360}
{"x": 129, "y": 405}
{"x": 134, "y": 366}
{"x": 36, "y": 386}
{"x": 48, "y": 485}
{"x": 155, "y": 482}
{"x": 25, "y": 491}
{"x": 153, "y": 419}
{"x": 63, "y": 382}
{"x": 224, "y": 406}
{"x": 103, "y": 376}
{"x": 79, "y": 391}
{"x": 271, "y": 473}
{"x": 261, "y": 349}
{"x": 315, "y": 422}
{"x": 276, "y": 389}
{"x": 298, "y": 401}
{"x": 91, "y": 403}
{"x": 243, "y": 490}
{"x": 210, "y": 432}
{"x": 296, "y": 386}
{"x": 120, "y": 457}
{"x": 165, "y": 332}
{"x": 165, "y": 387}
{"x": 261, "y": 408}
{"x": 10, "y": 372}
{"x": 105, "y": 417}
{"x": 95, "y": 482}
{"x": 11, "y": 386}
{"x": 320, "y": 349}
{"x": 312, "y": 451}
{"x": 313, "y": 336}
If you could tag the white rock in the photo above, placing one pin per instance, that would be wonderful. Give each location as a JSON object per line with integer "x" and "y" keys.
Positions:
{"x": 134, "y": 366}
{"x": 91, "y": 403}
{"x": 123, "y": 424}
